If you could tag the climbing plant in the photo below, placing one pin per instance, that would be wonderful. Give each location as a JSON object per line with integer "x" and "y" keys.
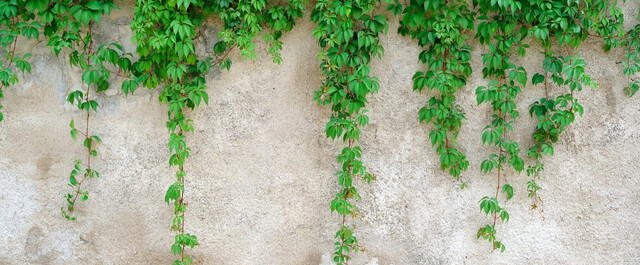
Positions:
{"x": 568, "y": 24}
{"x": 499, "y": 30}
{"x": 439, "y": 27}
{"x": 17, "y": 18}
{"x": 165, "y": 32}
{"x": 348, "y": 33}
{"x": 64, "y": 23}
{"x": 631, "y": 62}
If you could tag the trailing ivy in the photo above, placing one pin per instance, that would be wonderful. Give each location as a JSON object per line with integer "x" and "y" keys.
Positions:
{"x": 164, "y": 32}
{"x": 568, "y": 24}
{"x": 64, "y": 23}
{"x": 348, "y": 33}
{"x": 554, "y": 115}
{"x": 17, "y": 18}
{"x": 439, "y": 27}
{"x": 631, "y": 63}
{"x": 499, "y": 30}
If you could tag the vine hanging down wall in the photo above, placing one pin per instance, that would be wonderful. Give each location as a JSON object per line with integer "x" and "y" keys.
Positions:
{"x": 348, "y": 35}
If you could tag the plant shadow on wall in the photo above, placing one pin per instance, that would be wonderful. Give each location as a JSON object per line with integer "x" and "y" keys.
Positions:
{"x": 348, "y": 34}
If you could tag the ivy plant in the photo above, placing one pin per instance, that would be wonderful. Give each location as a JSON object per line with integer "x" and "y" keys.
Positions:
{"x": 17, "y": 18}
{"x": 348, "y": 33}
{"x": 67, "y": 25}
{"x": 164, "y": 33}
{"x": 439, "y": 27}
{"x": 64, "y": 24}
{"x": 631, "y": 62}
{"x": 499, "y": 30}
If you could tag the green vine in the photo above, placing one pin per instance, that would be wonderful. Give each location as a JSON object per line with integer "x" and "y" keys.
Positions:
{"x": 569, "y": 24}
{"x": 499, "y": 30}
{"x": 439, "y": 27}
{"x": 554, "y": 115}
{"x": 631, "y": 63}
{"x": 64, "y": 22}
{"x": 17, "y": 18}
{"x": 347, "y": 32}
{"x": 164, "y": 32}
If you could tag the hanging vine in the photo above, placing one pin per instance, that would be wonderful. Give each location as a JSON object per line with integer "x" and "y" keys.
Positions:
{"x": 569, "y": 24}
{"x": 164, "y": 32}
{"x": 347, "y": 32}
{"x": 63, "y": 24}
{"x": 439, "y": 27}
{"x": 64, "y": 21}
{"x": 631, "y": 63}
{"x": 499, "y": 30}
{"x": 17, "y": 18}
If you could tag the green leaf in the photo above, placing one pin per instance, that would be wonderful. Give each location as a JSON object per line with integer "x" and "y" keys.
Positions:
{"x": 504, "y": 216}
{"x": 72, "y": 180}
{"x": 537, "y": 79}
{"x": 220, "y": 47}
{"x": 508, "y": 190}
{"x": 94, "y": 5}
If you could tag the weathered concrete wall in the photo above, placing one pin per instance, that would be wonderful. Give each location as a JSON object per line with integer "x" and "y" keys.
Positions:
{"x": 261, "y": 175}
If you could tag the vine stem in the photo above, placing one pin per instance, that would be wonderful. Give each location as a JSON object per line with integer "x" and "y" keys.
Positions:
{"x": 546, "y": 90}
{"x": 224, "y": 56}
{"x": 571, "y": 91}
{"x": 445, "y": 68}
{"x": 346, "y": 196}
{"x": 504, "y": 132}
{"x": 86, "y": 132}
{"x": 181, "y": 202}
{"x": 117, "y": 73}
{"x": 495, "y": 214}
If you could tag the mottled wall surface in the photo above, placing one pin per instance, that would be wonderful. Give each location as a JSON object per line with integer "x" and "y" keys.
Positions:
{"x": 261, "y": 175}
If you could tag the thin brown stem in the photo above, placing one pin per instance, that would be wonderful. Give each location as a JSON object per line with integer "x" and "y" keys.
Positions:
{"x": 86, "y": 135}
{"x": 181, "y": 202}
{"x": 546, "y": 90}
{"x": 502, "y": 116}
{"x": 224, "y": 56}
{"x": 595, "y": 36}
{"x": 117, "y": 73}
{"x": 88, "y": 165}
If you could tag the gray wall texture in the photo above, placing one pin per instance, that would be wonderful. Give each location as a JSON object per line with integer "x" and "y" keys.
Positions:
{"x": 261, "y": 175}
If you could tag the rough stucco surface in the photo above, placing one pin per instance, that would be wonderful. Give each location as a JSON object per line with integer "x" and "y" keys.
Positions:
{"x": 261, "y": 174}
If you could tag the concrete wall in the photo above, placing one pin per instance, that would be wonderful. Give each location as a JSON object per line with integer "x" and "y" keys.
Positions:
{"x": 261, "y": 175}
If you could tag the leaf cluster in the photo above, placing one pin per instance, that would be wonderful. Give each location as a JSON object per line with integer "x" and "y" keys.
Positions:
{"x": 439, "y": 27}
{"x": 348, "y": 33}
